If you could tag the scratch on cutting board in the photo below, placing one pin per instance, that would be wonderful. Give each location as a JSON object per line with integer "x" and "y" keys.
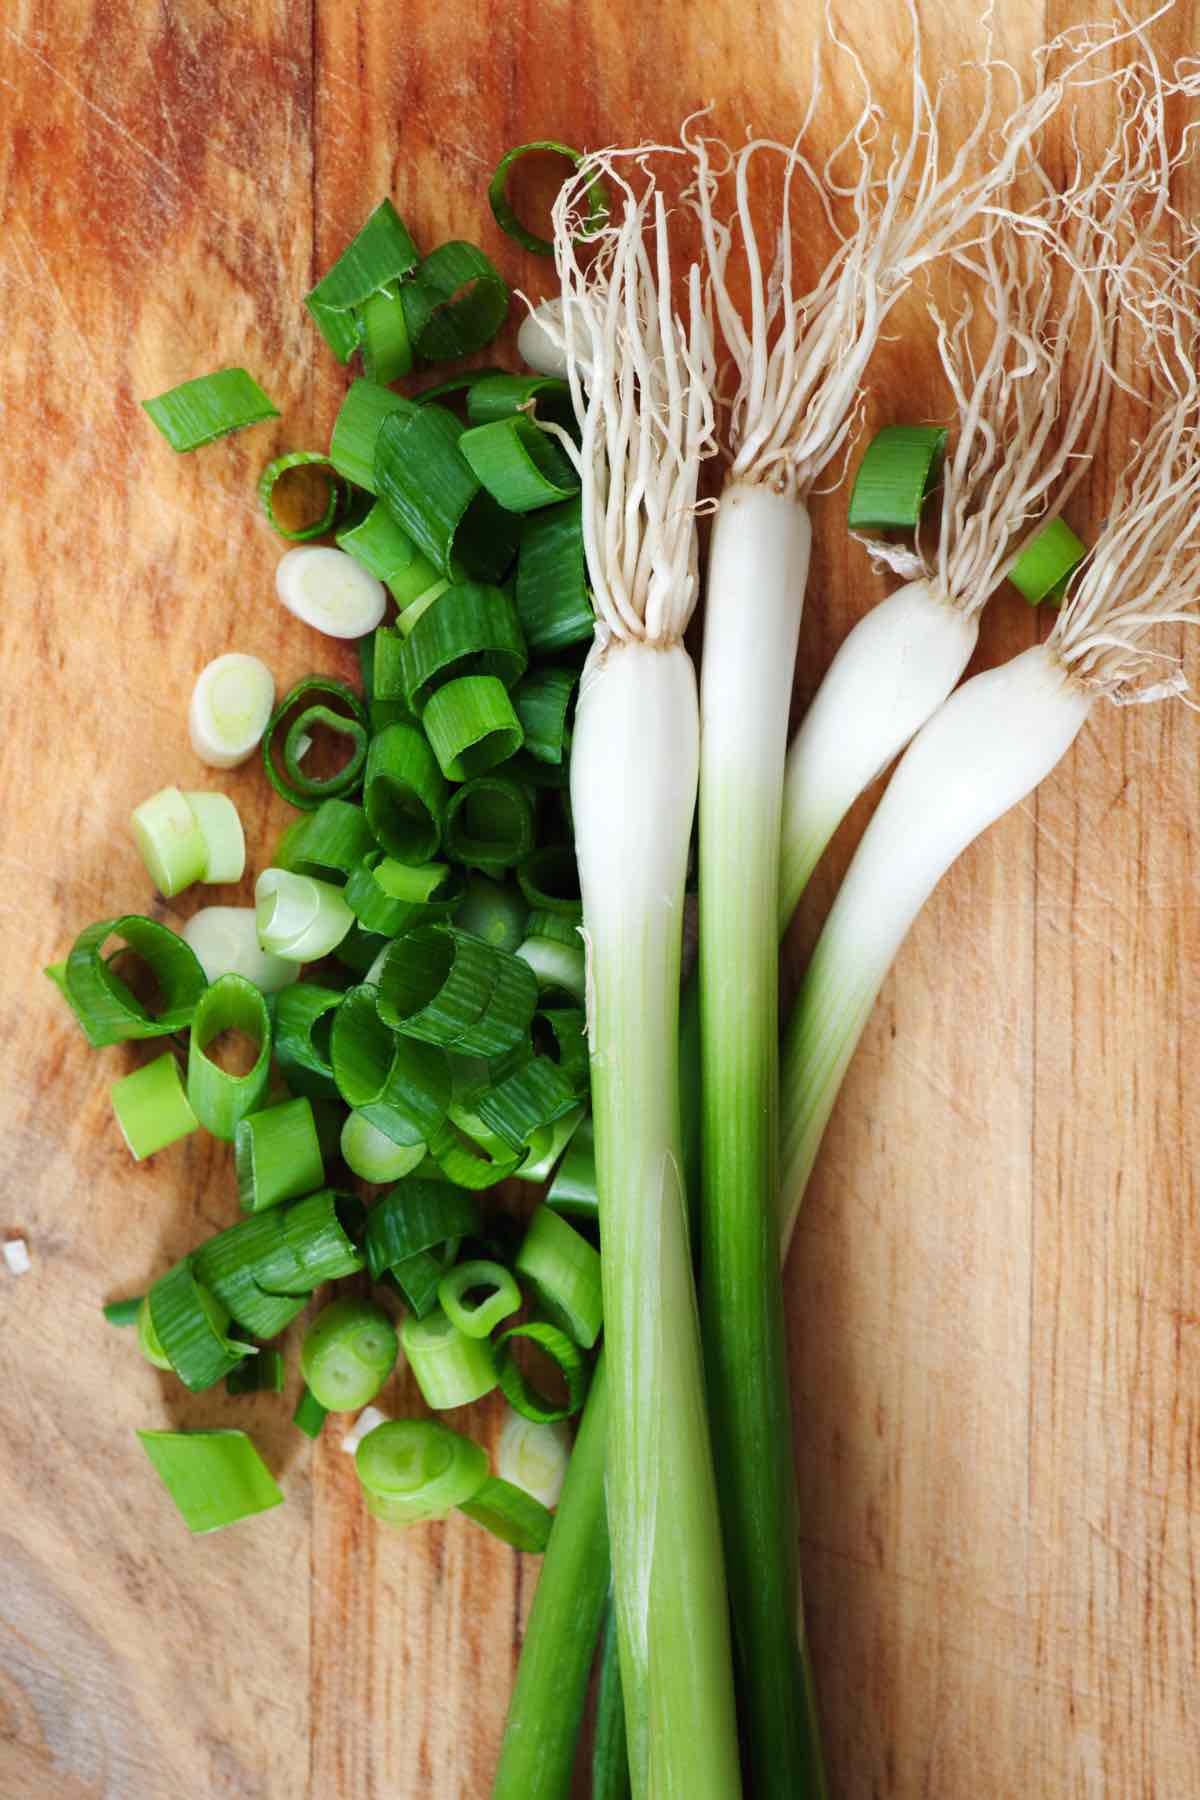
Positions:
{"x": 114, "y": 124}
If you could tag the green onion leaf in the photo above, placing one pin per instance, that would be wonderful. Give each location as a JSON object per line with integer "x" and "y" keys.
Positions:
{"x": 552, "y": 595}
{"x": 215, "y": 1478}
{"x": 152, "y": 1108}
{"x": 520, "y": 465}
{"x": 199, "y": 411}
{"x": 348, "y": 1353}
{"x": 472, "y": 629}
{"x": 418, "y": 1276}
{"x": 389, "y": 897}
{"x": 469, "y": 1154}
{"x": 191, "y": 1325}
{"x": 355, "y": 439}
{"x": 324, "y": 702}
{"x": 329, "y": 843}
{"x": 520, "y": 1392}
{"x": 124, "y": 1312}
{"x": 378, "y": 543}
{"x": 502, "y": 207}
{"x": 309, "y": 1416}
{"x": 543, "y": 703}
{"x": 546, "y": 1145}
{"x": 405, "y": 794}
{"x": 402, "y": 1087}
{"x": 434, "y": 496}
{"x": 277, "y": 1155}
{"x": 230, "y": 1265}
{"x": 219, "y": 1099}
{"x": 489, "y": 824}
{"x": 450, "y": 1368}
{"x": 471, "y": 726}
{"x": 417, "y": 1215}
{"x": 261, "y": 1374}
{"x": 447, "y": 987}
{"x": 414, "y": 1469}
{"x": 303, "y": 1021}
{"x": 511, "y": 1514}
{"x": 324, "y": 520}
{"x": 498, "y": 395}
{"x": 564, "y": 1271}
{"x": 1045, "y": 565}
{"x": 316, "y": 1238}
{"x": 106, "y": 1007}
{"x": 455, "y": 304}
{"x": 382, "y": 327}
{"x": 894, "y": 477}
{"x": 380, "y": 254}
{"x": 479, "y": 1318}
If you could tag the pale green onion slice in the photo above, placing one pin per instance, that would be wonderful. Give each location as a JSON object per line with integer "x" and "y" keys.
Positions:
{"x": 534, "y": 1456}
{"x": 573, "y": 1190}
{"x": 894, "y": 478}
{"x": 152, "y": 1108}
{"x": 547, "y": 1145}
{"x": 371, "y": 1155}
{"x": 299, "y": 919}
{"x": 225, "y": 940}
{"x": 367, "y": 1420}
{"x": 1045, "y": 565}
{"x": 414, "y": 1469}
{"x": 348, "y": 1353}
{"x": 219, "y": 1099}
{"x": 564, "y": 1271}
{"x": 559, "y": 968}
{"x": 450, "y": 1368}
{"x": 224, "y": 839}
{"x": 330, "y": 591}
{"x": 277, "y": 1155}
{"x": 478, "y": 1318}
{"x": 540, "y": 340}
{"x": 378, "y": 543}
{"x": 198, "y": 411}
{"x": 510, "y": 1514}
{"x": 230, "y": 706}
{"x": 215, "y": 1478}
{"x": 520, "y": 1392}
{"x": 170, "y": 841}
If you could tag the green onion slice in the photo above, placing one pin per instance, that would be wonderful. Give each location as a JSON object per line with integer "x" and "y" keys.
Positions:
{"x": 1045, "y": 566}
{"x": 405, "y": 794}
{"x": 455, "y": 304}
{"x": 215, "y": 1478}
{"x": 546, "y": 1086}
{"x": 378, "y": 543}
{"x": 564, "y": 1271}
{"x": 224, "y": 839}
{"x": 170, "y": 841}
{"x": 152, "y": 1108}
{"x": 414, "y": 1469}
{"x": 309, "y": 1416}
{"x": 502, "y": 207}
{"x": 511, "y": 1514}
{"x": 283, "y": 465}
{"x": 402, "y": 1087}
{"x": 472, "y": 629}
{"x": 520, "y": 465}
{"x": 303, "y": 1021}
{"x": 277, "y": 1155}
{"x": 372, "y": 1155}
{"x": 317, "y": 1238}
{"x": 417, "y": 1276}
{"x": 471, "y": 726}
{"x": 434, "y": 496}
{"x": 220, "y": 1100}
{"x": 261, "y": 1374}
{"x": 148, "y": 1342}
{"x": 232, "y": 1262}
{"x": 447, "y": 987}
{"x": 469, "y": 1154}
{"x": 494, "y": 913}
{"x": 389, "y": 897}
{"x": 560, "y": 970}
{"x": 543, "y": 703}
{"x": 360, "y": 950}
{"x": 299, "y": 918}
{"x": 455, "y": 386}
{"x": 498, "y": 395}
{"x": 549, "y": 880}
{"x": 417, "y": 1215}
{"x": 348, "y": 1353}
{"x": 382, "y": 326}
{"x": 547, "y": 1145}
{"x": 124, "y": 1312}
{"x": 355, "y": 439}
{"x": 478, "y": 1318}
{"x": 520, "y": 1392}
{"x": 191, "y": 1324}
{"x": 573, "y": 1189}
{"x": 317, "y": 701}
{"x": 490, "y": 824}
{"x": 450, "y": 1368}
{"x": 199, "y": 411}
{"x": 329, "y": 843}
{"x": 552, "y": 595}
{"x": 894, "y": 477}
{"x": 381, "y": 253}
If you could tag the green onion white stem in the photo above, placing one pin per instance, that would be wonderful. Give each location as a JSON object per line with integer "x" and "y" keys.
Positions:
{"x": 231, "y": 704}
{"x": 646, "y": 421}
{"x": 224, "y": 839}
{"x": 534, "y": 1456}
{"x": 330, "y": 591}
{"x": 225, "y": 940}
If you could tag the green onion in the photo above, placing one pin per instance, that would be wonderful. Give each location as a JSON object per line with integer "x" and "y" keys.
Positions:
{"x": 197, "y": 412}
{"x": 534, "y": 1457}
{"x": 152, "y": 1107}
{"x": 472, "y": 629}
{"x": 546, "y": 1145}
{"x": 414, "y": 1469}
{"x": 299, "y": 918}
{"x": 148, "y": 1342}
{"x": 383, "y": 336}
{"x": 225, "y": 940}
{"x": 447, "y": 987}
{"x": 378, "y": 543}
{"x": 494, "y": 913}
{"x": 510, "y": 1514}
{"x": 389, "y": 897}
{"x": 610, "y": 1756}
{"x": 455, "y": 304}
{"x": 417, "y": 1277}
{"x": 231, "y": 1262}
{"x": 356, "y": 431}
{"x": 502, "y": 207}
{"x": 224, "y": 839}
{"x": 405, "y": 794}
{"x": 230, "y": 709}
{"x": 191, "y": 1326}
{"x": 269, "y": 479}
{"x": 489, "y": 824}
{"x": 564, "y": 1272}
{"x": 348, "y": 1353}
{"x": 170, "y": 841}
{"x": 215, "y": 1478}
{"x": 218, "y": 1099}
{"x": 1044, "y": 567}
{"x": 329, "y": 843}
{"x": 380, "y": 254}
{"x": 324, "y": 702}
{"x": 417, "y": 1215}
{"x": 372, "y": 1155}
{"x": 520, "y": 1392}
{"x": 261, "y": 1374}
{"x": 558, "y": 968}
{"x": 106, "y": 1007}
{"x": 400, "y": 1086}
{"x": 435, "y": 497}
{"x": 549, "y": 880}
{"x": 520, "y": 465}
{"x": 498, "y": 395}
{"x": 317, "y": 1239}
{"x": 277, "y": 1155}
{"x": 360, "y": 951}
{"x": 450, "y": 1368}
{"x": 471, "y": 726}
{"x": 543, "y": 703}
{"x": 327, "y": 589}
{"x": 573, "y": 1190}
{"x": 309, "y": 1416}
{"x": 469, "y": 1154}
{"x": 303, "y": 1022}
{"x": 124, "y": 1312}
{"x": 552, "y": 596}
{"x": 894, "y": 478}
{"x": 479, "y": 1318}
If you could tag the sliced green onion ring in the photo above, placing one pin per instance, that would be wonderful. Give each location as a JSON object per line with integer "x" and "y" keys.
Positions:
{"x": 106, "y": 1007}
{"x": 455, "y": 304}
{"x": 499, "y": 395}
{"x": 225, "y": 939}
{"x": 380, "y": 253}
{"x": 543, "y": 703}
{"x": 309, "y": 1416}
{"x": 399, "y": 1085}
{"x": 547, "y": 1145}
{"x": 479, "y": 1319}
{"x": 471, "y": 726}
{"x": 414, "y": 1469}
{"x": 510, "y": 1514}
{"x": 551, "y": 591}
{"x": 191, "y": 1325}
{"x": 326, "y": 588}
{"x": 317, "y": 1238}
{"x": 356, "y": 429}
{"x": 348, "y": 1353}
{"x": 220, "y": 1100}
{"x": 230, "y": 708}
{"x": 378, "y": 543}
{"x": 520, "y": 1392}
{"x": 469, "y": 1154}
{"x": 417, "y": 1277}
{"x": 502, "y": 207}
{"x": 299, "y": 918}
{"x": 371, "y": 1155}
{"x": 489, "y": 824}
{"x": 533, "y": 1456}
{"x": 273, "y": 474}
{"x": 405, "y": 794}
{"x": 303, "y": 1021}
{"x": 170, "y": 841}
{"x": 382, "y": 327}
{"x": 432, "y": 493}
{"x": 200, "y": 411}
{"x": 215, "y": 1478}
{"x": 152, "y": 1108}
{"x": 329, "y": 843}
{"x": 389, "y": 897}
{"x": 472, "y": 629}
{"x": 224, "y": 839}
{"x": 549, "y": 880}
{"x": 450, "y": 1368}
{"x": 321, "y": 700}
{"x": 558, "y": 968}
{"x": 564, "y": 1271}
{"x": 277, "y": 1155}
{"x": 894, "y": 478}
{"x": 417, "y": 1215}
{"x": 493, "y": 912}
{"x": 1047, "y": 562}
{"x": 230, "y": 1264}
{"x": 521, "y": 466}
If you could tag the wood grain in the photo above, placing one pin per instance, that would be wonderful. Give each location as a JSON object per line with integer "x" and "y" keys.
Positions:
{"x": 995, "y": 1289}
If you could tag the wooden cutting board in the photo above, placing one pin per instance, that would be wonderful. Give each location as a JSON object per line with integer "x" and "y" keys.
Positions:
{"x": 995, "y": 1290}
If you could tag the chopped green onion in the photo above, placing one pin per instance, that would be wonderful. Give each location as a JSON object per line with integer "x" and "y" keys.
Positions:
{"x": 389, "y": 897}
{"x": 232, "y": 1262}
{"x": 543, "y": 1087}
{"x": 383, "y": 336}
{"x": 106, "y": 1007}
{"x": 469, "y": 1154}
{"x": 450, "y": 1368}
{"x": 502, "y": 207}
{"x": 329, "y": 843}
{"x": 489, "y": 824}
{"x": 191, "y": 1325}
{"x": 552, "y": 595}
{"x": 472, "y": 629}
{"x": 494, "y": 913}
{"x": 324, "y": 701}
{"x": 447, "y": 987}
{"x": 471, "y": 726}
{"x": 894, "y": 477}
{"x": 534, "y": 1456}
{"x": 378, "y": 543}
{"x": 573, "y": 1190}
{"x": 610, "y": 1753}
{"x": 309, "y": 1416}
{"x": 277, "y": 1155}
{"x": 520, "y": 465}
{"x": 197, "y": 412}
{"x": 225, "y": 940}
{"x": 434, "y": 496}
{"x": 455, "y": 304}
{"x": 564, "y": 1271}
{"x": 148, "y": 1342}
{"x": 478, "y": 1320}
{"x": 303, "y": 1021}
{"x": 399, "y": 1085}
{"x": 230, "y": 709}
{"x": 224, "y": 839}
{"x": 348, "y": 1353}
{"x": 330, "y": 591}
{"x": 261, "y": 1374}
{"x": 356, "y": 431}
{"x": 218, "y": 1099}
{"x": 317, "y": 1231}
{"x": 170, "y": 841}
{"x": 405, "y": 794}
{"x": 1045, "y": 565}
{"x": 558, "y": 968}
{"x": 546, "y": 1145}
{"x": 520, "y": 1392}
{"x": 152, "y": 1108}
{"x": 124, "y": 1312}
{"x": 367, "y": 1420}
{"x": 417, "y": 1215}
{"x": 417, "y": 1277}
{"x": 498, "y": 395}
{"x": 543, "y": 703}
{"x": 299, "y": 918}
{"x": 215, "y": 1478}
{"x": 372, "y": 1155}
{"x": 414, "y": 1469}
{"x": 549, "y": 880}
{"x": 283, "y": 465}
{"x": 510, "y": 1514}
{"x": 381, "y": 253}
